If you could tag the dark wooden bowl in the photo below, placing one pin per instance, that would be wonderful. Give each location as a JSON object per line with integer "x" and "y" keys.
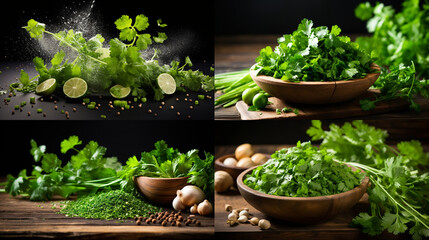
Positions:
{"x": 161, "y": 191}
{"x": 308, "y": 92}
{"x": 303, "y": 210}
{"x": 233, "y": 171}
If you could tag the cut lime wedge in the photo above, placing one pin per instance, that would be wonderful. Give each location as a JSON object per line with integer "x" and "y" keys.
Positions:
{"x": 47, "y": 87}
{"x": 105, "y": 53}
{"x": 75, "y": 87}
{"x": 119, "y": 91}
{"x": 166, "y": 83}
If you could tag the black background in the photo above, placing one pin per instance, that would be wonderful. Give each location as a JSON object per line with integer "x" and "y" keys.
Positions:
{"x": 280, "y": 17}
{"x": 123, "y": 139}
{"x": 190, "y": 24}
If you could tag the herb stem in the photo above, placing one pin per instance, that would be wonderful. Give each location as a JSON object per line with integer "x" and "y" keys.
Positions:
{"x": 72, "y": 47}
{"x": 397, "y": 203}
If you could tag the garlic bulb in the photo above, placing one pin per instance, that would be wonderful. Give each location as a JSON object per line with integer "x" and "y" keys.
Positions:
{"x": 205, "y": 208}
{"x": 190, "y": 195}
{"x": 177, "y": 204}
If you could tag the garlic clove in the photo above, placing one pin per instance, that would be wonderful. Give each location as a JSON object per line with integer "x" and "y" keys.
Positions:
{"x": 205, "y": 208}
{"x": 254, "y": 221}
{"x": 264, "y": 224}
{"x": 242, "y": 219}
{"x": 232, "y": 217}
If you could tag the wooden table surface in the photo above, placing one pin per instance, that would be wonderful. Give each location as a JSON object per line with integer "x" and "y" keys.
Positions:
{"x": 336, "y": 228}
{"x": 233, "y": 53}
{"x": 25, "y": 219}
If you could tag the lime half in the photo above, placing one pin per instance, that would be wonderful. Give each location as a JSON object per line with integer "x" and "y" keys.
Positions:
{"x": 75, "y": 87}
{"x": 47, "y": 87}
{"x": 167, "y": 83}
{"x": 119, "y": 91}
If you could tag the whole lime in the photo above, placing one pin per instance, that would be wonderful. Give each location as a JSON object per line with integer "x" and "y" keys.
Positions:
{"x": 248, "y": 95}
{"x": 260, "y": 100}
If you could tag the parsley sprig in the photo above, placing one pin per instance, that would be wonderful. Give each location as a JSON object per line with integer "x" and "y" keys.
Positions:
{"x": 399, "y": 191}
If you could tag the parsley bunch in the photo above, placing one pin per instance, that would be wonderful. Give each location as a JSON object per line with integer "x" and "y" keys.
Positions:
{"x": 86, "y": 171}
{"x": 399, "y": 191}
{"x": 399, "y": 82}
{"x": 398, "y": 37}
{"x": 121, "y": 62}
{"x": 167, "y": 162}
{"x": 303, "y": 171}
{"x": 314, "y": 54}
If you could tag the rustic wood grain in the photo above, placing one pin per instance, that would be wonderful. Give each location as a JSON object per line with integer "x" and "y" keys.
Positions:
{"x": 347, "y": 109}
{"x": 233, "y": 53}
{"x": 21, "y": 218}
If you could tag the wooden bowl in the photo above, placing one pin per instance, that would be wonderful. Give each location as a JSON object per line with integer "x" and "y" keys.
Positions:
{"x": 232, "y": 170}
{"x": 308, "y": 92}
{"x": 161, "y": 191}
{"x": 303, "y": 210}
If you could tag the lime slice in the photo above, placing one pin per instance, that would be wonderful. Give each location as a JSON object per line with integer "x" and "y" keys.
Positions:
{"x": 105, "y": 53}
{"x": 75, "y": 87}
{"x": 119, "y": 91}
{"x": 167, "y": 83}
{"x": 47, "y": 87}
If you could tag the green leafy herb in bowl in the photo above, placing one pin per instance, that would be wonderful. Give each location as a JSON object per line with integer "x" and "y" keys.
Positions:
{"x": 314, "y": 54}
{"x": 302, "y": 184}
{"x": 165, "y": 163}
{"x": 303, "y": 171}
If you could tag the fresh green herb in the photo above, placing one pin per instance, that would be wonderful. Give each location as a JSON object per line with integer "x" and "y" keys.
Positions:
{"x": 398, "y": 37}
{"x": 165, "y": 162}
{"x": 400, "y": 82}
{"x": 87, "y": 171}
{"x": 17, "y": 107}
{"x": 39, "y": 110}
{"x": 314, "y": 54}
{"x": 303, "y": 171}
{"x": 399, "y": 191}
{"x": 122, "y": 63}
{"x": 32, "y": 100}
{"x": 25, "y": 83}
{"x": 109, "y": 205}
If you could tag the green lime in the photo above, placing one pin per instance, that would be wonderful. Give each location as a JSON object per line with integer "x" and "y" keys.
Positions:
{"x": 167, "y": 83}
{"x": 105, "y": 53}
{"x": 248, "y": 95}
{"x": 75, "y": 87}
{"x": 119, "y": 91}
{"x": 47, "y": 87}
{"x": 260, "y": 100}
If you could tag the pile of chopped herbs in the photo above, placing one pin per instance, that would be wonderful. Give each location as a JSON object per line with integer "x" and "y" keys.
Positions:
{"x": 399, "y": 190}
{"x": 303, "y": 171}
{"x": 115, "y": 204}
{"x": 167, "y": 162}
{"x": 120, "y": 62}
{"x": 314, "y": 54}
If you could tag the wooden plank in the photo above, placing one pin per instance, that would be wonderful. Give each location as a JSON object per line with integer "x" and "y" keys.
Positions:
{"x": 21, "y": 218}
{"x": 330, "y": 111}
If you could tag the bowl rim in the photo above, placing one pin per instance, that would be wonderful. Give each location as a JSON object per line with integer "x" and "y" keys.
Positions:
{"x": 244, "y": 187}
{"x": 160, "y": 178}
{"x": 219, "y": 161}
{"x": 277, "y": 81}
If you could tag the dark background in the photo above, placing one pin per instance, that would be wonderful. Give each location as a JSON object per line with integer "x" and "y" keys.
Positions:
{"x": 123, "y": 139}
{"x": 190, "y": 24}
{"x": 280, "y": 17}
